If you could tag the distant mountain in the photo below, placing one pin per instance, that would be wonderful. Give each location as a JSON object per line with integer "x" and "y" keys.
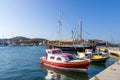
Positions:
{"x": 19, "y": 38}
{"x": 25, "y": 38}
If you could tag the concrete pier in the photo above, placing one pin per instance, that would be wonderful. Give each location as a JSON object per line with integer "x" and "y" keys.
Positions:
{"x": 110, "y": 73}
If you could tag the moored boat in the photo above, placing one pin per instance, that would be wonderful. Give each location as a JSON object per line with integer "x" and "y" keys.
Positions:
{"x": 94, "y": 55}
{"x": 100, "y": 58}
{"x": 56, "y": 58}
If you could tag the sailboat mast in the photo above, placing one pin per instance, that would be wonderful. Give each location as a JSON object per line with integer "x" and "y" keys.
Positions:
{"x": 81, "y": 30}
{"x": 59, "y": 27}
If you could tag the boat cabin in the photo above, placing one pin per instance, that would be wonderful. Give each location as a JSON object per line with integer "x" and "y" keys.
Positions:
{"x": 54, "y": 51}
{"x": 60, "y": 57}
{"x": 89, "y": 51}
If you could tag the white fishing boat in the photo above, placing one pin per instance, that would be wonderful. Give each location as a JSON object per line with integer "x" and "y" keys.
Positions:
{"x": 56, "y": 58}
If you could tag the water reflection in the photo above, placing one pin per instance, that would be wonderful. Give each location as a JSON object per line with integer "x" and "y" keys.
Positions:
{"x": 111, "y": 61}
{"x": 58, "y": 74}
{"x": 95, "y": 67}
{"x": 98, "y": 64}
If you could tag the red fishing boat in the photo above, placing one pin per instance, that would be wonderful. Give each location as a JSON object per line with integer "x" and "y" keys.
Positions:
{"x": 56, "y": 58}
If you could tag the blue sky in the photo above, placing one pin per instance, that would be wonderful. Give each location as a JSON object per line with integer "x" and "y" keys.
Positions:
{"x": 38, "y": 18}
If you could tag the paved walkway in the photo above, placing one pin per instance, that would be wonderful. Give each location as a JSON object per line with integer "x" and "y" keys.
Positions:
{"x": 110, "y": 73}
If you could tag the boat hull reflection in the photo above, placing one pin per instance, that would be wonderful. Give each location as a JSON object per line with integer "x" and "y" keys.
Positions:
{"x": 59, "y": 74}
{"x": 98, "y": 64}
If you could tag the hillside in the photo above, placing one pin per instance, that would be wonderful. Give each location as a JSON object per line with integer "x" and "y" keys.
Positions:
{"x": 20, "y": 40}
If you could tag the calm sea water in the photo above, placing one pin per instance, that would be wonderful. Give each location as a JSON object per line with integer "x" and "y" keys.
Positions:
{"x": 22, "y": 63}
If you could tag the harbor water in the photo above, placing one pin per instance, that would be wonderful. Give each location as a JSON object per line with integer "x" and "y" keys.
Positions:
{"x": 22, "y": 63}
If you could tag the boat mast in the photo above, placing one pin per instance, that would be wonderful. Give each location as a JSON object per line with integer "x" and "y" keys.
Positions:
{"x": 74, "y": 33}
{"x": 81, "y": 30}
{"x": 78, "y": 34}
{"x": 59, "y": 27}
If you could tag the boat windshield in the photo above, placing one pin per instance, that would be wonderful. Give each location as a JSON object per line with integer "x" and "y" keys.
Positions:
{"x": 71, "y": 57}
{"x": 57, "y": 52}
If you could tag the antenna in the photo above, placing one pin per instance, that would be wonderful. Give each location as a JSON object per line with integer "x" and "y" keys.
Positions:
{"x": 12, "y": 35}
{"x": 3, "y": 36}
